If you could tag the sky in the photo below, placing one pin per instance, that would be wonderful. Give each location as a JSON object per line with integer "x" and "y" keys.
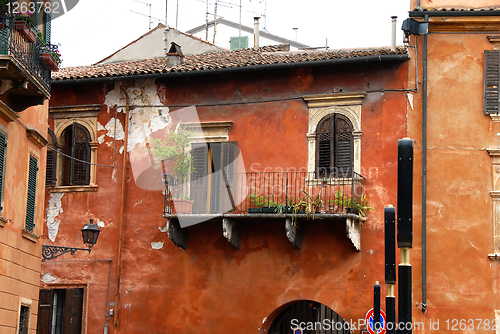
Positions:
{"x": 94, "y": 29}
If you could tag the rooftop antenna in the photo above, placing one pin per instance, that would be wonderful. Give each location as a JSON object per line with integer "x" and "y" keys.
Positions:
{"x": 147, "y": 4}
{"x": 296, "y": 30}
{"x": 215, "y": 19}
{"x": 239, "y": 31}
{"x": 166, "y": 13}
{"x": 177, "y": 15}
{"x": 206, "y": 25}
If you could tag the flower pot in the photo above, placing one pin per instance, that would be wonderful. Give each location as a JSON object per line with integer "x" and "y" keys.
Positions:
{"x": 25, "y": 31}
{"x": 182, "y": 206}
{"x": 268, "y": 209}
{"x": 254, "y": 210}
{"x": 50, "y": 61}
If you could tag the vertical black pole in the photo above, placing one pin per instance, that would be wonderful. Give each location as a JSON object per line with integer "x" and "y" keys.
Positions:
{"x": 390, "y": 268}
{"x": 405, "y": 232}
{"x": 376, "y": 307}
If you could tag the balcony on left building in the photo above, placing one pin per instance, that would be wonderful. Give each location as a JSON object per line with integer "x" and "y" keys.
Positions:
{"x": 24, "y": 76}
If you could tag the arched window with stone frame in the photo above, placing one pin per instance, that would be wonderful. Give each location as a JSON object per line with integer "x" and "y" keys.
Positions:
{"x": 334, "y": 147}
{"x": 75, "y": 143}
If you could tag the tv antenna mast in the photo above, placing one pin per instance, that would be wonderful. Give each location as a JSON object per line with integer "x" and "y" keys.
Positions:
{"x": 149, "y": 16}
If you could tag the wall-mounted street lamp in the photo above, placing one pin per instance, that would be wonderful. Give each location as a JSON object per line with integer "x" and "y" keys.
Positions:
{"x": 90, "y": 233}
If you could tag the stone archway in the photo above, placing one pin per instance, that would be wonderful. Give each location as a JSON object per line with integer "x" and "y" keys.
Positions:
{"x": 310, "y": 316}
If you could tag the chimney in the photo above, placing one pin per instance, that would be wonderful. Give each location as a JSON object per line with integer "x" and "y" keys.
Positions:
{"x": 393, "y": 40}
{"x": 256, "y": 32}
{"x": 174, "y": 55}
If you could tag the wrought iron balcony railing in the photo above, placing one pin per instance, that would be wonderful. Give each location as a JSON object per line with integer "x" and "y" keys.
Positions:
{"x": 261, "y": 193}
{"x": 13, "y": 42}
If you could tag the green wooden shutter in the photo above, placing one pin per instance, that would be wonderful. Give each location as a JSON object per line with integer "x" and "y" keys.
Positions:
{"x": 30, "y": 207}
{"x": 47, "y": 18}
{"x": 35, "y": 14}
{"x": 491, "y": 81}
{"x": 3, "y": 151}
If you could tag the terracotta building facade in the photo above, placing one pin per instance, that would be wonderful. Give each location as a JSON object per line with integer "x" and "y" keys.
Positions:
{"x": 263, "y": 126}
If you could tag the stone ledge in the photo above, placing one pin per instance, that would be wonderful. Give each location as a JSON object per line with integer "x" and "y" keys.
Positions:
{"x": 69, "y": 189}
{"x": 31, "y": 236}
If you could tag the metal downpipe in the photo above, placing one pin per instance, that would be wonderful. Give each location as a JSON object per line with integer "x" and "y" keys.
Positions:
{"x": 424, "y": 172}
{"x": 122, "y": 209}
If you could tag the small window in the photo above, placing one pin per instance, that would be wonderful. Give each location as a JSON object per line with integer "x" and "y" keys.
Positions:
{"x": 334, "y": 146}
{"x": 75, "y": 141}
{"x": 30, "y": 206}
{"x": 24, "y": 319}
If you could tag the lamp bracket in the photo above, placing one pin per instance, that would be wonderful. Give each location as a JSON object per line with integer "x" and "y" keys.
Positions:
{"x": 51, "y": 252}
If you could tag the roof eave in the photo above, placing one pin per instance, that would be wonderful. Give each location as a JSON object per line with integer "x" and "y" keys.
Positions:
{"x": 253, "y": 68}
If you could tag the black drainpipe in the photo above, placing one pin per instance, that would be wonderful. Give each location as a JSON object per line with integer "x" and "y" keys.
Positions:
{"x": 424, "y": 173}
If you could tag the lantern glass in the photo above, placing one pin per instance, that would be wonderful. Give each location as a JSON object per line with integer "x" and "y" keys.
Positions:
{"x": 90, "y": 233}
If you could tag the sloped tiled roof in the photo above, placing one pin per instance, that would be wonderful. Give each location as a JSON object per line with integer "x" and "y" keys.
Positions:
{"x": 220, "y": 60}
{"x": 458, "y": 9}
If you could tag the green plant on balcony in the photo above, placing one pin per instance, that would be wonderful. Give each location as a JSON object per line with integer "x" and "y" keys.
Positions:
{"x": 308, "y": 204}
{"x": 26, "y": 27}
{"x": 361, "y": 207}
{"x": 175, "y": 149}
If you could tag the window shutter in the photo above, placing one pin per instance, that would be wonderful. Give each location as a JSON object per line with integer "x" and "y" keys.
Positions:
{"x": 324, "y": 146}
{"x": 228, "y": 191}
{"x": 30, "y": 207}
{"x": 80, "y": 171}
{"x": 48, "y": 26}
{"x": 35, "y": 14}
{"x": 3, "y": 151}
{"x": 491, "y": 81}
{"x": 73, "y": 311}
{"x": 343, "y": 146}
{"x": 51, "y": 170}
{"x": 45, "y": 312}
{"x": 199, "y": 152}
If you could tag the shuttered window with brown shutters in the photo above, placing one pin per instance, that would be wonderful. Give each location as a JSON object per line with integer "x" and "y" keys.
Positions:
{"x": 491, "y": 81}
{"x": 60, "y": 311}
{"x": 76, "y": 147}
{"x": 334, "y": 147}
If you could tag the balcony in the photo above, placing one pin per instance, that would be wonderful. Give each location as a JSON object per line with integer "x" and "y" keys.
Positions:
{"x": 290, "y": 197}
{"x": 25, "y": 79}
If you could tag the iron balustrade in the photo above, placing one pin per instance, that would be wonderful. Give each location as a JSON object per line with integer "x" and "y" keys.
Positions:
{"x": 261, "y": 192}
{"x": 29, "y": 55}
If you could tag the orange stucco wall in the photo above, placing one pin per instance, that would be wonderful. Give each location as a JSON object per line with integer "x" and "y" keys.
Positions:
{"x": 20, "y": 257}
{"x": 210, "y": 285}
{"x": 461, "y": 279}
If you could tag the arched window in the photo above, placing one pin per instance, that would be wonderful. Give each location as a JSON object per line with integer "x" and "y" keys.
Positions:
{"x": 334, "y": 146}
{"x": 75, "y": 142}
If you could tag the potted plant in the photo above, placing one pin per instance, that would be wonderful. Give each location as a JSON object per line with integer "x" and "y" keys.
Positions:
{"x": 174, "y": 149}
{"x": 257, "y": 203}
{"x": 51, "y": 57}
{"x": 25, "y": 27}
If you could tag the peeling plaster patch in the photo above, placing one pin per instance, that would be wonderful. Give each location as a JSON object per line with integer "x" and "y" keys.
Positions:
{"x": 157, "y": 245}
{"x": 140, "y": 202}
{"x": 100, "y": 139}
{"x": 473, "y": 245}
{"x": 143, "y": 120}
{"x": 110, "y": 126}
{"x": 113, "y": 175}
{"x": 163, "y": 229}
{"x": 121, "y": 150}
{"x": 100, "y": 224}
{"x": 410, "y": 99}
{"x": 53, "y": 210}
{"x": 100, "y": 127}
{"x": 48, "y": 278}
